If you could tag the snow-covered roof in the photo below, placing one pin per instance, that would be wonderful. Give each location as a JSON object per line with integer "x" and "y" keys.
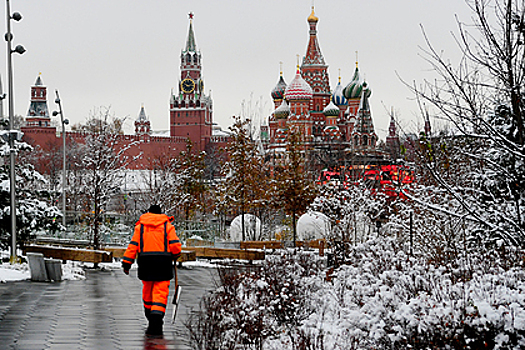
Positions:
{"x": 161, "y": 133}
{"x": 217, "y": 130}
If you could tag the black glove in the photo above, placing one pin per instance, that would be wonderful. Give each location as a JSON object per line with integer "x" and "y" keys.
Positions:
{"x": 126, "y": 266}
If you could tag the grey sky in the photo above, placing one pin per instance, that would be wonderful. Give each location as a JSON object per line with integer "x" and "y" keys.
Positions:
{"x": 125, "y": 53}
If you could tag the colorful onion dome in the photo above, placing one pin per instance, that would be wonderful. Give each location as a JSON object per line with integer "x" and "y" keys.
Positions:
{"x": 331, "y": 110}
{"x": 354, "y": 87}
{"x": 338, "y": 98}
{"x": 312, "y": 17}
{"x": 283, "y": 111}
{"x": 298, "y": 89}
{"x": 278, "y": 90}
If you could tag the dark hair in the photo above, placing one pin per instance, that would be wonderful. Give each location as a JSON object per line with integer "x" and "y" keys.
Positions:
{"x": 155, "y": 209}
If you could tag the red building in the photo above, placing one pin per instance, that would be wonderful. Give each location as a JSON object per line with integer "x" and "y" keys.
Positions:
{"x": 191, "y": 117}
{"x": 338, "y": 120}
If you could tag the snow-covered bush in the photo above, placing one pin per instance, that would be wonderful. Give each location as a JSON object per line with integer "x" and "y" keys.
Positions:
{"x": 254, "y": 304}
{"x": 385, "y": 299}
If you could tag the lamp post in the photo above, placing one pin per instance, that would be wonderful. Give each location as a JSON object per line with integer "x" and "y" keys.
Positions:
{"x": 12, "y": 132}
{"x": 64, "y": 122}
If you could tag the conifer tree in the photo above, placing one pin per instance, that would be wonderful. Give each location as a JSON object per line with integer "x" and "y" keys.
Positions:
{"x": 191, "y": 184}
{"x": 34, "y": 208}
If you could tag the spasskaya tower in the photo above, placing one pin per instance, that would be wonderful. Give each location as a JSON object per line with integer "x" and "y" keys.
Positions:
{"x": 191, "y": 110}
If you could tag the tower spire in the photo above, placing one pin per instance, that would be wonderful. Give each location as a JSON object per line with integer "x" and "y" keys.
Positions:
{"x": 190, "y": 43}
{"x": 313, "y": 51}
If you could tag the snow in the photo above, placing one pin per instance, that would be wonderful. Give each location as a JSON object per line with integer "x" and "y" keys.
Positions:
{"x": 12, "y": 274}
{"x": 19, "y": 272}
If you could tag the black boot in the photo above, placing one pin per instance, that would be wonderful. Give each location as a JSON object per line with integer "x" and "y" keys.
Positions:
{"x": 147, "y": 312}
{"x": 155, "y": 325}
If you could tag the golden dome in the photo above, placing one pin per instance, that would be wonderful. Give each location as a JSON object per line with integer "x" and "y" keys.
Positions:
{"x": 312, "y": 17}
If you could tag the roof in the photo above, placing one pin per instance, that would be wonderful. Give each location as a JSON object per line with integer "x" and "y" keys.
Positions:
{"x": 142, "y": 115}
{"x": 298, "y": 89}
{"x": 38, "y": 81}
{"x": 190, "y": 42}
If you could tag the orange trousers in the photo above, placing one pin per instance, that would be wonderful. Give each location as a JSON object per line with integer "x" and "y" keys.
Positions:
{"x": 155, "y": 296}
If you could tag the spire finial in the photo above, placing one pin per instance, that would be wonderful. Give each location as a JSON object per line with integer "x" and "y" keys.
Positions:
{"x": 190, "y": 15}
{"x": 356, "y": 59}
{"x": 339, "y": 74}
{"x": 281, "y": 67}
{"x": 297, "y": 62}
{"x": 312, "y": 17}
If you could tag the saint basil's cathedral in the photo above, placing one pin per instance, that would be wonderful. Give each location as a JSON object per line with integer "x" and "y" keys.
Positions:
{"x": 338, "y": 120}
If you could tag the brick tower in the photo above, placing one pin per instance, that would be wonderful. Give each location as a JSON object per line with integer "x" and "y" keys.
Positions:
{"x": 142, "y": 124}
{"x": 191, "y": 109}
{"x": 38, "y": 113}
{"x": 315, "y": 71}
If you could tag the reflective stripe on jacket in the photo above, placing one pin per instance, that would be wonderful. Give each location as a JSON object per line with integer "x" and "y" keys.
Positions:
{"x": 155, "y": 245}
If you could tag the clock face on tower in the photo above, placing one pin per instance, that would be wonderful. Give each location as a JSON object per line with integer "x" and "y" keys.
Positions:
{"x": 187, "y": 85}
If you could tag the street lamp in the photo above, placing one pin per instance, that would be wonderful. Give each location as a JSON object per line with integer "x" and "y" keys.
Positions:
{"x": 64, "y": 122}
{"x": 12, "y": 132}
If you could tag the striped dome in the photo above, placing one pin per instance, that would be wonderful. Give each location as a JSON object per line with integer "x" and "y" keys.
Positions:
{"x": 298, "y": 89}
{"x": 354, "y": 87}
{"x": 331, "y": 110}
{"x": 278, "y": 90}
{"x": 282, "y": 111}
{"x": 338, "y": 98}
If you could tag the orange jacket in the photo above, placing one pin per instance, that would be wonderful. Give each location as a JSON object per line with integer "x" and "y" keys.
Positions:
{"x": 157, "y": 246}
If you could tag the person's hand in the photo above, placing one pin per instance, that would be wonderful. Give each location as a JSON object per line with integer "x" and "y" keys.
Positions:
{"x": 125, "y": 267}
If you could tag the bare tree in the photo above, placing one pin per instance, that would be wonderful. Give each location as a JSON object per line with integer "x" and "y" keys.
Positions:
{"x": 102, "y": 162}
{"x": 483, "y": 101}
{"x": 161, "y": 181}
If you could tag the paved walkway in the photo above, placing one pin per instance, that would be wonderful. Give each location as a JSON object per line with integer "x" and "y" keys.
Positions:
{"x": 102, "y": 312}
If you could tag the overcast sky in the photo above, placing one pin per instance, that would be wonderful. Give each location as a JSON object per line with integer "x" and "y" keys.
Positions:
{"x": 125, "y": 53}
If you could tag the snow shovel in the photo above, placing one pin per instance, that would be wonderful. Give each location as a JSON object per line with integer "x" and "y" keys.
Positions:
{"x": 176, "y": 296}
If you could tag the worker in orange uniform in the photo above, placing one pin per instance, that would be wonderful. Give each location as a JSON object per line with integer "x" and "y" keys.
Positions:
{"x": 158, "y": 247}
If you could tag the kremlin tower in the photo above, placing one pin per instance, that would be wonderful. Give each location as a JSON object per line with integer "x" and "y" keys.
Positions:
{"x": 38, "y": 113}
{"x": 142, "y": 124}
{"x": 190, "y": 108}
